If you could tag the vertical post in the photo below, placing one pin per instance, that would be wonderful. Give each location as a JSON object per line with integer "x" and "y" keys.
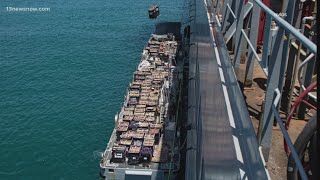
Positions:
{"x": 266, "y": 35}
{"x": 255, "y": 17}
{"x": 260, "y": 122}
{"x": 225, "y": 16}
{"x": 278, "y": 62}
{"x": 289, "y": 18}
{"x": 240, "y": 44}
{"x": 218, "y": 7}
{"x": 273, "y": 82}
{"x": 286, "y": 100}
{"x": 235, "y": 8}
{"x": 306, "y": 78}
{"x": 216, "y": 4}
{"x": 284, "y": 5}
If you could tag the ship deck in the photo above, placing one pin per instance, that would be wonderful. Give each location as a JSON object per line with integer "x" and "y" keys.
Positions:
{"x": 144, "y": 135}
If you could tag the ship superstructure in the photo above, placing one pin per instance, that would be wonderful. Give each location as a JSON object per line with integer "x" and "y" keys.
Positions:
{"x": 144, "y": 141}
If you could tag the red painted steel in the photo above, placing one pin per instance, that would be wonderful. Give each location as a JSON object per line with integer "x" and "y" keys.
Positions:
{"x": 262, "y": 22}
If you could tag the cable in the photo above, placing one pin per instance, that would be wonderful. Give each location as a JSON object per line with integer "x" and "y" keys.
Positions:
{"x": 296, "y": 103}
{"x": 299, "y": 72}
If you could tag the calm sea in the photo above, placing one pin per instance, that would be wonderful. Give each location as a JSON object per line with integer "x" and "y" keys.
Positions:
{"x": 63, "y": 76}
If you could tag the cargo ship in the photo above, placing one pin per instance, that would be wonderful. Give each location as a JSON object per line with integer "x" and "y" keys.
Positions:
{"x": 145, "y": 141}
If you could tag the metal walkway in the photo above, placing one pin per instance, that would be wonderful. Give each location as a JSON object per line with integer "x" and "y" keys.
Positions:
{"x": 222, "y": 143}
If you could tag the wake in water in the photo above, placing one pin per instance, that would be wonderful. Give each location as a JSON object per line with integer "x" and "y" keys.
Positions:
{"x": 97, "y": 155}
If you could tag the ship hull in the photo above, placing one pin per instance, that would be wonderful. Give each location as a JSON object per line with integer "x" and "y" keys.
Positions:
{"x": 144, "y": 143}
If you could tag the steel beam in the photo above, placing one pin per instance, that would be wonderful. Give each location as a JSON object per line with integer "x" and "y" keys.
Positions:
{"x": 287, "y": 26}
{"x": 306, "y": 80}
{"x": 277, "y": 67}
{"x": 239, "y": 43}
{"x": 273, "y": 81}
{"x": 225, "y": 17}
{"x": 253, "y": 34}
{"x": 289, "y": 18}
{"x": 266, "y": 35}
{"x": 289, "y": 77}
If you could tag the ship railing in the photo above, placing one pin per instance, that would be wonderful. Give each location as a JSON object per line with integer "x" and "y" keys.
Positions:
{"x": 106, "y": 156}
{"x": 239, "y": 24}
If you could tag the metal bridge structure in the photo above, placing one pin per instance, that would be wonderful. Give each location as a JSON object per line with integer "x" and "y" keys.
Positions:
{"x": 221, "y": 141}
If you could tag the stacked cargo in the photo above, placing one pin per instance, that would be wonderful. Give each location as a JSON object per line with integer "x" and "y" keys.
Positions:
{"x": 139, "y": 133}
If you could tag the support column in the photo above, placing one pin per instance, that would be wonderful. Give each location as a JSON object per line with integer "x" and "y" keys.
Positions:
{"x": 277, "y": 65}
{"x": 253, "y": 34}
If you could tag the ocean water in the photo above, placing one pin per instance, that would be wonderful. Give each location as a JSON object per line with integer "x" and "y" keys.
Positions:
{"x": 63, "y": 76}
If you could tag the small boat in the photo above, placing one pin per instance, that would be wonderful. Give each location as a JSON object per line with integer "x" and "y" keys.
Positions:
{"x": 153, "y": 11}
